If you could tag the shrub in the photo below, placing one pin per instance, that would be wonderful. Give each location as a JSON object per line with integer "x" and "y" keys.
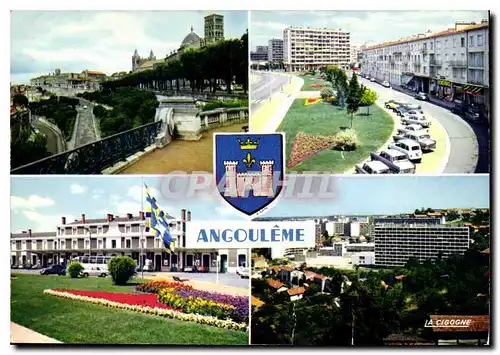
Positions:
{"x": 326, "y": 93}
{"x": 345, "y": 140}
{"x": 74, "y": 269}
{"x": 122, "y": 269}
{"x": 212, "y": 105}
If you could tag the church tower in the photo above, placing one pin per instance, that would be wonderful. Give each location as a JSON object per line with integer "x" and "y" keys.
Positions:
{"x": 135, "y": 61}
{"x": 151, "y": 55}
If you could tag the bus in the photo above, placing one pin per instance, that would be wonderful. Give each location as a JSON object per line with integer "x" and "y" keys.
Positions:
{"x": 90, "y": 263}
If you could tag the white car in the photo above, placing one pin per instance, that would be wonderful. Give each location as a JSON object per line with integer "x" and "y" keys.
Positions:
{"x": 386, "y": 84}
{"x": 256, "y": 276}
{"x": 410, "y": 148}
{"x": 85, "y": 107}
{"x": 372, "y": 79}
{"x": 94, "y": 271}
{"x": 416, "y": 119}
{"x": 412, "y": 128}
{"x": 244, "y": 272}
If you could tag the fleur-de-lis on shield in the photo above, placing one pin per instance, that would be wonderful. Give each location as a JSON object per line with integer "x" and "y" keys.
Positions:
{"x": 249, "y": 160}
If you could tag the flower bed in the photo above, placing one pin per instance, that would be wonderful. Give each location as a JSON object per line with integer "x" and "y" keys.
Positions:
{"x": 312, "y": 101}
{"x": 305, "y": 146}
{"x": 316, "y": 86}
{"x": 203, "y": 302}
{"x": 143, "y": 303}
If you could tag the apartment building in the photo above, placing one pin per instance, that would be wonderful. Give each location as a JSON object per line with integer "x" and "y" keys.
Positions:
{"x": 275, "y": 50}
{"x": 260, "y": 54}
{"x": 115, "y": 236}
{"x": 313, "y": 48}
{"x": 396, "y": 243}
{"x": 452, "y": 64}
{"x": 354, "y": 54}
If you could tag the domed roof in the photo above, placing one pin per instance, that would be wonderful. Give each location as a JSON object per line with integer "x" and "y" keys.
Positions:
{"x": 191, "y": 38}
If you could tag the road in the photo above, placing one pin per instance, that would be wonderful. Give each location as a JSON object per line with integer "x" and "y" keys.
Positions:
{"x": 55, "y": 144}
{"x": 264, "y": 85}
{"x": 85, "y": 125}
{"x": 468, "y": 153}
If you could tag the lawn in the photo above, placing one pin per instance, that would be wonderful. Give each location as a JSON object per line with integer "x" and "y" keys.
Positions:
{"x": 83, "y": 323}
{"x": 325, "y": 119}
{"x": 310, "y": 79}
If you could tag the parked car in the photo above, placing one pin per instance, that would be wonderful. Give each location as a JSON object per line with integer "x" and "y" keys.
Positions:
{"x": 422, "y": 96}
{"x": 54, "y": 270}
{"x": 410, "y": 148}
{"x": 244, "y": 272}
{"x": 85, "y": 107}
{"x": 372, "y": 167}
{"x": 422, "y": 138}
{"x": 403, "y": 111}
{"x": 414, "y": 119}
{"x": 94, "y": 271}
{"x": 413, "y": 106}
{"x": 372, "y": 79}
{"x": 393, "y": 104}
{"x": 386, "y": 84}
{"x": 397, "y": 161}
{"x": 412, "y": 128}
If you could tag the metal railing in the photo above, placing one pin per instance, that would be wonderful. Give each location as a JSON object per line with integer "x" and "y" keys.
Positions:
{"x": 94, "y": 157}
{"x": 457, "y": 63}
{"x": 435, "y": 62}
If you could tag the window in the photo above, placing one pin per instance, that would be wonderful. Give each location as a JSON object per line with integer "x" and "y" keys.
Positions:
{"x": 462, "y": 42}
{"x": 113, "y": 244}
{"x": 446, "y": 44}
{"x": 454, "y": 42}
{"x": 471, "y": 41}
{"x": 127, "y": 243}
{"x": 479, "y": 40}
{"x": 432, "y": 45}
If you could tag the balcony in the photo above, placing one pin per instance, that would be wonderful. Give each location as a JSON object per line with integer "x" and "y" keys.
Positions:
{"x": 457, "y": 63}
{"x": 435, "y": 63}
{"x": 476, "y": 65}
{"x": 426, "y": 51}
{"x": 478, "y": 81}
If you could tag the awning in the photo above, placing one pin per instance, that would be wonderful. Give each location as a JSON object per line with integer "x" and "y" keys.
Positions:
{"x": 472, "y": 90}
{"x": 405, "y": 79}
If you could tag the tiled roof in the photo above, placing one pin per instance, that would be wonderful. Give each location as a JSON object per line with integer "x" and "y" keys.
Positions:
{"x": 95, "y": 72}
{"x": 310, "y": 274}
{"x": 431, "y": 35}
{"x": 256, "y": 302}
{"x": 296, "y": 291}
{"x": 486, "y": 251}
{"x": 275, "y": 284}
{"x": 477, "y": 324}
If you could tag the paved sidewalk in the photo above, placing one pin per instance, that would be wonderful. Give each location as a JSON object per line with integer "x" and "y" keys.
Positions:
{"x": 22, "y": 335}
{"x": 202, "y": 285}
{"x": 433, "y": 100}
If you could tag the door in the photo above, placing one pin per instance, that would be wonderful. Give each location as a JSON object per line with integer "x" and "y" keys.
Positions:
{"x": 223, "y": 263}
{"x": 189, "y": 260}
{"x": 242, "y": 260}
{"x": 13, "y": 260}
{"x": 157, "y": 262}
{"x": 206, "y": 261}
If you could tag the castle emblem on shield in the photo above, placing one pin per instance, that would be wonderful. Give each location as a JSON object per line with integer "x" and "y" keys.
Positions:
{"x": 249, "y": 169}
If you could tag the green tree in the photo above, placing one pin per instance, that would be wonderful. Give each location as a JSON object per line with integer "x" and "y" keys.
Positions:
{"x": 368, "y": 98}
{"x": 355, "y": 92}
{"x": 20, "y": 100}
{"x": 122, "y": 269}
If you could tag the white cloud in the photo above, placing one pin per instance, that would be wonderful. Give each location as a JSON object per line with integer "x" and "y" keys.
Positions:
{"x": 98, "y": 194}
{"x": 77, "y": 189}
{"x": 45, "y": 223}
{"x": 269, "y": 25}
{"x": 32, "y": 202}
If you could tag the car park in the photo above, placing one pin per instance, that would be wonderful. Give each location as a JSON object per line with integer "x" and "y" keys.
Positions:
{"x": 416, "y": 119}
{"x": 422, "y": 96}
{"x": 373, "y": 167}
{"x": 54, "y": 270}
{"x": 397, "y": 161}
{"x": 386, "y": 84}
{"x": 409, "y": 147}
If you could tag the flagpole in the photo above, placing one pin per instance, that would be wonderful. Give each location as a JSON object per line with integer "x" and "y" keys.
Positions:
{"x": 143, "y": 225}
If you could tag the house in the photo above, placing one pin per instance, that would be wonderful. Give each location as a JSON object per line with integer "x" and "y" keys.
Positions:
{"x": 285, "y": 274}
{"x": 296, "y": 293}
{"x": 296, "y": 274}
{"x": 470, "y": 330}
{"x": 276, "y": 285}
{"x": 256, "y": 302}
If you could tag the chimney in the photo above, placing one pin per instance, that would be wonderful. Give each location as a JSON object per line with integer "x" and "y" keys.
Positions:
{"x": 63, "y": 220}
{"x": 110, "y": 217}
{"x": 29, "y": 232}
{"x": 129, "y": 215}
{"x": 141, "y": 215}
{"x": 189, "y": 216}
{"x": 183, "y": 215}
{"x": 83, "y": 218}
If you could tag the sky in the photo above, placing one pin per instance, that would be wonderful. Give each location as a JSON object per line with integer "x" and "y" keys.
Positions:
{"x": 364, "y": 26}
{"x": 38, "y": 204}
{"x": 72, "y": 41}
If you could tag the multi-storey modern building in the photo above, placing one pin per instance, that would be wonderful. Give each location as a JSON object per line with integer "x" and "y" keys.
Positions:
{"x": 115, "y": 236}
{"x": 451, "y": 64}
{"x": 354, "y": 53}
{"x": 396, "y": 243}
{"x": 312, "y": 48}
{"x": 214, "y": 28}
{"x": 260, "y": 54}
{"x": 275, "y": 50}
